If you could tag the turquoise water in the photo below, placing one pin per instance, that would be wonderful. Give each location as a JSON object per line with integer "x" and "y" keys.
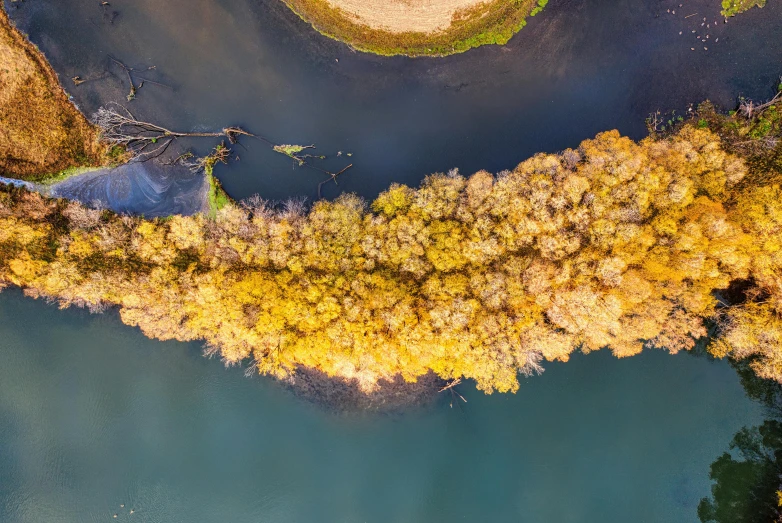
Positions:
{"x": 93, "y": 415}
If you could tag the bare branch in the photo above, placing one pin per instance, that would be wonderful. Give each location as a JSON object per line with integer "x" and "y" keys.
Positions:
{"x": 145, "y": 139}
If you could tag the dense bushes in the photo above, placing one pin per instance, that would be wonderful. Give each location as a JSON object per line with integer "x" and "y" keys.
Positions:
{"x": 616, "y": 244}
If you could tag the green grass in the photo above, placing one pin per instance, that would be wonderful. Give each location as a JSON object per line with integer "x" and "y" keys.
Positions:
{"x": 51, "y": 179}
{"x": 492, "y": 23}
{"x": 734, "y": 7}
{"x": 217, "y": 198}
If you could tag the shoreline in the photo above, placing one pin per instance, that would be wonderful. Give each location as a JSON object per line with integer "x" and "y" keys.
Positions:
{"x": 46, "y": 135}
{"x": 420, "y": 273}
{"x": 484, "y": 24}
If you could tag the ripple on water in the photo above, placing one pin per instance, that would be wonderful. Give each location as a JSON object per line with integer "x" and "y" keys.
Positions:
{"x": 150, "y": 189}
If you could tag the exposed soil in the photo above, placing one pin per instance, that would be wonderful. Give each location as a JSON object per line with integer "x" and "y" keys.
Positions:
{"x": 417, "y": 27}
{"x": 41, "y": 131}
{"x": 399, "y": 16}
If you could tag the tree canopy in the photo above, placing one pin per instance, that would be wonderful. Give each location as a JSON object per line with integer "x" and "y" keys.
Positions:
{"x": 615, "y": 244}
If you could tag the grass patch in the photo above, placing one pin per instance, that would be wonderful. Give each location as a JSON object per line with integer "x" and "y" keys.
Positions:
{"x": 494, "y": 22}
{"x": 734, "y": 7}
{"x": 51, "y": 179}
{"x": 217, "y": 198}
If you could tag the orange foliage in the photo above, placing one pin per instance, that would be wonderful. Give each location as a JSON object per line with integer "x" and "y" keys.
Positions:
{"x": 617, "y": 244}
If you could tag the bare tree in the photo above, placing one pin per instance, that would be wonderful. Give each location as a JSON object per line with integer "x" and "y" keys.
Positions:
{"x": 451, "y": 387}
{"x": 749, "y": 109}
{"x": 145, "y": 140}
{"x": 531, "y": 363}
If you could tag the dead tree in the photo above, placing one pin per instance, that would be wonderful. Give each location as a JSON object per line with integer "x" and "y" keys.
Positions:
{"x": 749, "y": 110}
{"x": 146, "y": 140}
{"x": 451, "y": 387}
{"x": 332, "y": 176}
{"x": 219, "y": 154}
{"x": 531, "y": 366}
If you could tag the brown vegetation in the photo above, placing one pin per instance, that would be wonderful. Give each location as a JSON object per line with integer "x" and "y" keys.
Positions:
{"x": 41, "y": 132}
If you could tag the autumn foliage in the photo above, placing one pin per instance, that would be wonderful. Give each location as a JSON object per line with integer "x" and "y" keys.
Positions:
{"x": 617, "y": 245}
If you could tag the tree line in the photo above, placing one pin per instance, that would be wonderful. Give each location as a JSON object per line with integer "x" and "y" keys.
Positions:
{"x": 616, "y": 244}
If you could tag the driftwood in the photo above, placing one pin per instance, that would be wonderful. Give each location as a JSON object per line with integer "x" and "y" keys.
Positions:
{"x": 133, "y": 87}
{"x": 147, "y": 140}
{"x": 78, "y": 80}
{"x": 748, "y": 109}
{"x": 451, "y": 387}
{"x": 333, "y": 176}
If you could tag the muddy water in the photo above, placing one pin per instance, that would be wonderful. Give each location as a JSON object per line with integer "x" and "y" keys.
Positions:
{"x": 581, "y": 67}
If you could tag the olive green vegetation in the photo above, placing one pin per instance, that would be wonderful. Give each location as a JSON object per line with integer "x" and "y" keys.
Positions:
{"x": 493, "y": 22}
{"x": 734, "y": 7}
{"x": 293, "y": 151}
{"x": 746, "y": 479}
{"x": 217, "y": 198}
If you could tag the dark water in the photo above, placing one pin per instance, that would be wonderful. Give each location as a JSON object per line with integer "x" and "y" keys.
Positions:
{"x": 582, "y": 67}
{"x": 93, "y": 415}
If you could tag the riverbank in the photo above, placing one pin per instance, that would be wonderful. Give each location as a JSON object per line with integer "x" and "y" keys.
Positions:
{"x": 615, "y": 244}
{"x": 417, "y": 27}
{"x": 41, "y": 132}
{"x": 370, "y": 295}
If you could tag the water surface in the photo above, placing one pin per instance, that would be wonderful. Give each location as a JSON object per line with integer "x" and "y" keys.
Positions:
{"x": 580, "y": 67}
{"x": 93, "y": 415}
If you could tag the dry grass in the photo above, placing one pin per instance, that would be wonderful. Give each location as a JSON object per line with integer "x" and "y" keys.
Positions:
{"x": 401, "y": 16}
{"x": 417, "y": 27}
{"x": 41, "y": 131}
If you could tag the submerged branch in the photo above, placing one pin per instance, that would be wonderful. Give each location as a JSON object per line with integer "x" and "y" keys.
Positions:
{"x": 145, "y": 139}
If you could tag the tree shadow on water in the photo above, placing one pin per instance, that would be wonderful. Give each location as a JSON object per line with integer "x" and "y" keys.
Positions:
{"x": 747, "y": 478}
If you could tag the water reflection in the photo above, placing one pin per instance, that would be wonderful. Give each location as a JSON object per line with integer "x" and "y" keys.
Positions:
{"x": 747, "y": 477}
{"x": 94, "y": 415}
{"x": 581, "y": 67}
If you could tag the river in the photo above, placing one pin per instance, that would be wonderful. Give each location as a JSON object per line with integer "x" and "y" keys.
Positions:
{"x": 582, "y": 67}
{"x": 94, "y": 416}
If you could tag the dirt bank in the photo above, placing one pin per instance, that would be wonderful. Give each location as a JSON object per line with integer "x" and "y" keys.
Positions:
{"x": 417, "y": 27}
{"x": 41, "y": 131}
{"x": 400, "y": 16}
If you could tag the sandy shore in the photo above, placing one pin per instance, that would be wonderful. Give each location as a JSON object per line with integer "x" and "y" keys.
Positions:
{"x": 400, "y": 16}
